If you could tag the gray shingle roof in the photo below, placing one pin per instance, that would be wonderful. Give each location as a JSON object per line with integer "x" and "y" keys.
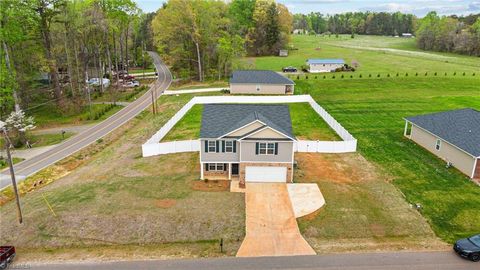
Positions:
{"x": 459, "y": 127}
{"x": 220, "y": 119}
{"x": 259, "y": 77}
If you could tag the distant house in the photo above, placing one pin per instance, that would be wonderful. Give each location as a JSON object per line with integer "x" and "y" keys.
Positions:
{"x": 283, "y": 53}
{"x": 300, "y": 32}
{"x": 260, "y": 82}
{"x": 246, "y": 142}
{"x": 324, "y": 65}
{"x": 454, "y": 136}
{"x": 407, "y": 35}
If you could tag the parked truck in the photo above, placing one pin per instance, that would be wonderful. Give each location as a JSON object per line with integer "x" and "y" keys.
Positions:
{"x": 7, "y": 254}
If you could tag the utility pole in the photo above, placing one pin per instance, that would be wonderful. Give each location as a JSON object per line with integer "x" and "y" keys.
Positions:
{"x": 154, "y": 96}
{"x": 12, "y": 171}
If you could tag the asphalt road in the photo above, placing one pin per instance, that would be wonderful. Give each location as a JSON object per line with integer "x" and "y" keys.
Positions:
{"x": 367, "y": 261}
{"x": 91, "y": 135}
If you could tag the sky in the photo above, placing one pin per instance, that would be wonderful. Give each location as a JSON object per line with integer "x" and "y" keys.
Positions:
{"x": 417, "y": 7}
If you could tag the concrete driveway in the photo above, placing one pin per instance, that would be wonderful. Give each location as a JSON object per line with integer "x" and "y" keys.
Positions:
{"x": 271, "y": 227}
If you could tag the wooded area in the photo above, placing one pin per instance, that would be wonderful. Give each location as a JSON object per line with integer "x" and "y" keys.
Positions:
{"x": 201, "y": 38}
{"x": 51, "y": 48}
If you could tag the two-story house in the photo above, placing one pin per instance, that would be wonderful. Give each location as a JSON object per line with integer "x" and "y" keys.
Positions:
{"x": 248, "y": 142}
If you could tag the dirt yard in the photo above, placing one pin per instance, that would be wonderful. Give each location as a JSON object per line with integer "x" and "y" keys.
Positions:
{"x": 363, "y": 211}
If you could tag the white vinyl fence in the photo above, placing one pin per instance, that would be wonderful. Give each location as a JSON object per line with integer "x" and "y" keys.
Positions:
{"x": 349, "y": 144}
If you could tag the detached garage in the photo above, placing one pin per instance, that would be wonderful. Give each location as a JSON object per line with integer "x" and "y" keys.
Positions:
{"x": 266, "y": 174}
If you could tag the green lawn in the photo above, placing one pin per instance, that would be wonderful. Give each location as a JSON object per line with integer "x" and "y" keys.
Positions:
{"x": 4, "y": 163}
{"x": 306, "y": 124}
{"x": 374, "y": 54}
{"x": 49, "y": 116}
{"x": 373, "y": 110}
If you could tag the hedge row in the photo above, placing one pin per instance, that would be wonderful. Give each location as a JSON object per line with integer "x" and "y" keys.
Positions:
{"x": 378, "y": 75}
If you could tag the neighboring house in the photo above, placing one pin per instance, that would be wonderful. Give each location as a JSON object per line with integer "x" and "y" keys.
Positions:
{"x": 246, "y": 142}
{"x": 324, "y": 65}
{"x": 453, "y": 136}
{"x": 260, "y": 82}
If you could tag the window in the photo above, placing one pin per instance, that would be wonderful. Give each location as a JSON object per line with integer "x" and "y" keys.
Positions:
{"x": 266, "y": 148}
{"x": 270, "y": 148}
{"x": 212, "y": 146}
{"x": 216, "y": 167}
{"x": 229, "y": 146}
{"x": 438, "y": 144}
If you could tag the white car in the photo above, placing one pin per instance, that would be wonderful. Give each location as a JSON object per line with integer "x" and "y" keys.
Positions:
{"x": 132, "y": 84}
{"x": 96, "y": 82}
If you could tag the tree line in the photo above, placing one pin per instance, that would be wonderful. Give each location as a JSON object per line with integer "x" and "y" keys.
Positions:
{"x": 449, "y": 34}
{"x": 68, "y": 41}
{"x": 368, "y": 23}
{"x": 201, "y": 38}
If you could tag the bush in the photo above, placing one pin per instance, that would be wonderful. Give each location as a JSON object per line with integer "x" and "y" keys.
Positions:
{"x": 378, "y": 75}
{"x": 455, "y": 73}
{"x": 473, "y": 74}
{"x": 369, "y": 75}
{"x": 342, "y": 76}
{"x": 388, "y": 75}
{"x": 445, "y": 74}
{"x": 360, "y": 76}
{"x": 324, "y": 76}
{"x": 306, "y": 77}
{"x": 351, "y": 76}
{"x": 463, "y": 74}
{"x": 416, "y": 73}
{"x": 426, "y": 73}
{"x": 406, "y": 74}
{"x": 333, "y": 77}
{"x": 435, "y": 74}
{"x": 298, "y": 77}
{"x": 397, "y": 74}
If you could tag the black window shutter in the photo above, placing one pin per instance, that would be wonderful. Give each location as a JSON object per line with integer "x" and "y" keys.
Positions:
{"x": 223, "y": 146}
{"x": 276, "y": 148}
{"x": 234, "y": 146}
{"x": 225, "y": 167}
{"x": 206, "y": 146}
{"x": 218, "y": 146}
{"x": 257, "y": 147}
{"x": 206, "y": 167}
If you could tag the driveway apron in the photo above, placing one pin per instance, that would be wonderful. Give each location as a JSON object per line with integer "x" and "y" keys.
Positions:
{"x": 271, "y": 227}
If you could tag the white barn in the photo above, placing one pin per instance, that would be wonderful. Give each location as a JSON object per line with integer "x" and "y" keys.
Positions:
{"x": 324, "y": 65}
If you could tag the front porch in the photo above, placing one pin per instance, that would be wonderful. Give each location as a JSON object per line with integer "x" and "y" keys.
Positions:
{"x": 220, "y": 171}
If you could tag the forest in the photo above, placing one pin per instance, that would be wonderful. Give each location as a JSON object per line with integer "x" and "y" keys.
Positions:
{"x": 200, "y": 39}
{"x": 65, "y": 43}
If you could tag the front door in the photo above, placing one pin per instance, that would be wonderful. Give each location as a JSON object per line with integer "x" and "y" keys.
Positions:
{"x": 235, "y": 169}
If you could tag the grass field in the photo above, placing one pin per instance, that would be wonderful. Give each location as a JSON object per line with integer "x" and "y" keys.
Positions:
{"x": 117, "y": 198}
{"x": 373, "y": 110}
{"x": 306, "y": 124}
{"x": 374, "y": 54}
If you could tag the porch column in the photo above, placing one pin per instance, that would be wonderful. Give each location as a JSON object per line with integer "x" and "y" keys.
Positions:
{"x": 229, "y": 171}
{"x": 201, "y": 170}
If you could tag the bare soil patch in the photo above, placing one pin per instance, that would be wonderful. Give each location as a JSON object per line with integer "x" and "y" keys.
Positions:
{"x": 211, "y": 185}
{"x": 165, "y": 203}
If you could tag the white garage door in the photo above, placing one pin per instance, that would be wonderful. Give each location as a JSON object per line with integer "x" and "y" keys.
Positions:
{"x": 266, "y": 174}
